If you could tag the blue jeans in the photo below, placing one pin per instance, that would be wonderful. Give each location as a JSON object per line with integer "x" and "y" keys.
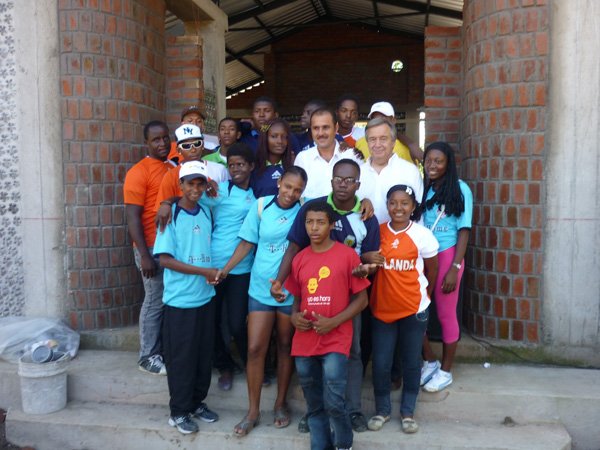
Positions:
{"x": 355, "y": 370}
{"x": 409, "y": 332}
{"x": 323, "y": 381}
{"x": 151, "y": 312}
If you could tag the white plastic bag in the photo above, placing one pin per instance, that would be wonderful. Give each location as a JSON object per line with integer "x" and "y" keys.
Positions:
{"x": 19, "y": 334}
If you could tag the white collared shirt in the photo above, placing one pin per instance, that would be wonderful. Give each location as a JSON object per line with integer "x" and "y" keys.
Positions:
{"x": 319, "y": 170}
{"x": 375, "y": 186}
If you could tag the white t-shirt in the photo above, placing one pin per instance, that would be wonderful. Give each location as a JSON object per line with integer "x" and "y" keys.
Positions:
{"x": 375, "y": 186}
{"x": 319, "y": 170}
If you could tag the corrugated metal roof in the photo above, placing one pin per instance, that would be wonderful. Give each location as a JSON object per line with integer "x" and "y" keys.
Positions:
{"x": 254, "y": 25}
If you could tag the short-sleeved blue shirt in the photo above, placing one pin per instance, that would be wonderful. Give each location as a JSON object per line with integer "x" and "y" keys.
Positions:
{"x": 446, "y": 230}
{"x": 229, "y": 210}
{"x": 268, "y": 233}
{"x": 349, "y": 229}
{"x": 187, "y": 239}
{"x": 266, "y": 183}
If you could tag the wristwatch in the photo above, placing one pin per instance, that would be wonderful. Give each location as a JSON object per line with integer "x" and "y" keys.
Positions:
{"x": 457, "y": 265}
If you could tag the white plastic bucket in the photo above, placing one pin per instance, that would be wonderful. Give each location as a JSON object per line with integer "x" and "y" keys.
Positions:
{"x": 43, "y": 385}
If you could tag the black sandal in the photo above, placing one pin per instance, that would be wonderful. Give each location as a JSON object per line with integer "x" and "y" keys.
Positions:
{"x": 245, "y": 426}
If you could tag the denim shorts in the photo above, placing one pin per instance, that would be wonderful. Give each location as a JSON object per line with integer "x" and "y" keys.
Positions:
{"x": 256, "y": 306}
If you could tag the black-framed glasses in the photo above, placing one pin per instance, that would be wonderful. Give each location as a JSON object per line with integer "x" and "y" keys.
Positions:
{"x": 344, "y": 180}
{"x": 189, "y": 145}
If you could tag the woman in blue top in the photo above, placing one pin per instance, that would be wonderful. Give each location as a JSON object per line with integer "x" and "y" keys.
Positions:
{"x": 265, "y": 228}
{"x": 229, "y": 208}
{"x": 447, "y": 212}
{"x": 274, "y": 155}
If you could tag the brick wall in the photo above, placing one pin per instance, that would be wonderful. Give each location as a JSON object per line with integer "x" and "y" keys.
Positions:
{"x": 328, "y": 61}
{"x": 443, "y": 76}
{"x": 502, "y": 147}
{"x": 112, "y": 82}
{"x": 184, "y": 76}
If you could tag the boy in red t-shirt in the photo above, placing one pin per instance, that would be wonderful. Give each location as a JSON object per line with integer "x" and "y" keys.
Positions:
{"x": 326, "y": 298}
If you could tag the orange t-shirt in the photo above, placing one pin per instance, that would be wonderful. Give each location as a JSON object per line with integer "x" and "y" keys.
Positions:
{"x": 174, "y": 152}
{"x": 169, "y": 187}
{"x": 400, "y": 286}
{"x": 141, "y": 188}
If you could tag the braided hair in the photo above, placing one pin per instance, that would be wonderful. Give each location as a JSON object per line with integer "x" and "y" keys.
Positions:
{"x": 448, "y": 192}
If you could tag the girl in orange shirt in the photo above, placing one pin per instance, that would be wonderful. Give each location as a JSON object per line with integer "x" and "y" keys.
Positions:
{"x": 399, "y": 304}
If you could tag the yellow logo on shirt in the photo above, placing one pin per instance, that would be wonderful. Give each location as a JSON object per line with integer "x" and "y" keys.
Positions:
{"x": 313, "y": 283}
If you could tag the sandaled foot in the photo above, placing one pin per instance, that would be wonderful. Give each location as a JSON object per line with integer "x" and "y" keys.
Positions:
{"x": 376, "y": 422}
{"x": 245, "y": 426}
{"x": 409, "y": 425}
{"x": 281, "y": 417}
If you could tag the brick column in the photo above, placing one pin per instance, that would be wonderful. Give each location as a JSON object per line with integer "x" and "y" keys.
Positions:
{"x": 443, "y": 73}
{"x": 112, "y": 82}
{"x": 184, "y": 76}
{"x": 502, "y": 146}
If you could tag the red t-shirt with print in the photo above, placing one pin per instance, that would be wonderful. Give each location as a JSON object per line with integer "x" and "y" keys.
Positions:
{"x": 325, "y": 283}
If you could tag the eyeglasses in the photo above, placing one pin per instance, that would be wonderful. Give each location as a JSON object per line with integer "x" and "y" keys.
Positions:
{"x": 346, "y": 180}
{"x": 189, "y": 145}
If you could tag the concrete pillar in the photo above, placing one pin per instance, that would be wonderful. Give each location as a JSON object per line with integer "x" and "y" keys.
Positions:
{"x": 212, "y": 32}
{"x": 39, "y": 137}
{"x": 571, "y": 275}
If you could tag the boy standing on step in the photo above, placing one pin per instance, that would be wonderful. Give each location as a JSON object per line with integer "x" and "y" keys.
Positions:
{"x": 326, "y": 298}
{"x": 188, "y": 319}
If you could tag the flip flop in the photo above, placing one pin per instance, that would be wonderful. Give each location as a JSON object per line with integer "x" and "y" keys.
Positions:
{"x": 376, "y": 422}
{"x": 281, "y": 417}
{"x": 245, "y": 426}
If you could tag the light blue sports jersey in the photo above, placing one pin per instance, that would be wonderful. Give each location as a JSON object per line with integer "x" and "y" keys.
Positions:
{"x": 446, "y": 230}
{"x": 229, "y": 210}
{"x": 269, "y": 234}
{"x": 187, "y": 239}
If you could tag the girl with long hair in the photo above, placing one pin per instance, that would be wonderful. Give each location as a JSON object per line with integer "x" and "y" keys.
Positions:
{"x": 447, "y": 212}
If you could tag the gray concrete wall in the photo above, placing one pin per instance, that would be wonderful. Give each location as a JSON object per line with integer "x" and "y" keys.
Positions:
{"x": 38, "y": 134}
{"x": 571, "y": 276}
{"x": 12, "y": 296}
{"x": 212, "y": 33}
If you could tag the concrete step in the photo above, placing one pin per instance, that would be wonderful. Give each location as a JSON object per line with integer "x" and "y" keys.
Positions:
{"x": 478, "y": 396}
{"x": 92, "y": 425}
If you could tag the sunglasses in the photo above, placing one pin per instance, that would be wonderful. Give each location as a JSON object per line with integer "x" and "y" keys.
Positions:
{"x": 189, "y": 145}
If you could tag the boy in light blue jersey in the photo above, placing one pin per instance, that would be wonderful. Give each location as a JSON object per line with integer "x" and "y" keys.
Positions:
{"x": 188, "y": 319}
{"x": 229, "y": 208}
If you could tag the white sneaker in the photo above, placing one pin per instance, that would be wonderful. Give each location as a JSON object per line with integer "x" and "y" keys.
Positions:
{"x": 428, "y": 370}
{"x": 440, "y": 380}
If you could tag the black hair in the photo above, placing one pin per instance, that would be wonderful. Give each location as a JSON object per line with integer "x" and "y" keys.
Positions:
{"x": 262, "y": 148}
{"x": 265, "y": 99}
{"x": 316, "y": 102}
{"x": 416, "y": 214}
{"x": 321, "y": 206}
{"x": 152, "y": 124}
{"x": 448, "y": 191}
{"x": 237, "y": 124}
{"x": 321, "y": 111}
{"x": 350, "y": 162}
{"x": 295, "y": 170}
{"x": 345, "y": 97}
{"x": 242, "y": 150}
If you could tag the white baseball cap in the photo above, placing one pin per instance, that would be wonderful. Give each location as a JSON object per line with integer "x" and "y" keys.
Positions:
{"x": 188, "y": 131}
{"x": 384, "y": 108}
{"x": 193, "y": 169}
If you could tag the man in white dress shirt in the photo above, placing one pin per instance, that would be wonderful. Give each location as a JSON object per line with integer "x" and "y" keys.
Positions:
{"x": 318, "y": 161}
{"x": 384, "y": 168}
